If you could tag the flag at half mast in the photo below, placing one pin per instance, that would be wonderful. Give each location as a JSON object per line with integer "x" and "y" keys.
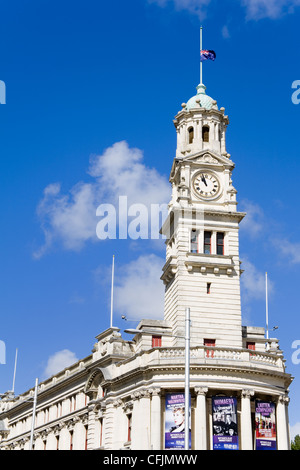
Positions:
{"x": 207, "y": 55}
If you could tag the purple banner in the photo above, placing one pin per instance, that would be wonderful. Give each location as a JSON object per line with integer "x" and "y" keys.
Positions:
{"x": 265, "y": 425}
{"x": 174, "y": 422}
{"x": 225, "y": 430}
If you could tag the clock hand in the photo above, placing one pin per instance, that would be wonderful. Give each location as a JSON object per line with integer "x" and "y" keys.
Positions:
{"x": 204, "y": 180}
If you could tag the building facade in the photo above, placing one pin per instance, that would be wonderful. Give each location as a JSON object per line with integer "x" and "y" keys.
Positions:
{"x": 129, "y": 394}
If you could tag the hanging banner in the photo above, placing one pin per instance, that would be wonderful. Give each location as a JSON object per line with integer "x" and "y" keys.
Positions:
{"x": 225, "y": 430}
{"x": 174, "y": 422}
{"x": 265, "y": 425}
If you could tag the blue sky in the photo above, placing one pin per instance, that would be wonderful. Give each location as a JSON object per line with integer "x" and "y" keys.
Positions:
{"x": 86, "y": 81}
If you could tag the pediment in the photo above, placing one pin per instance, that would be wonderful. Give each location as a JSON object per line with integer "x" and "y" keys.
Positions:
{"x": 203, "y": 158}
{"x": 208, "y": 157}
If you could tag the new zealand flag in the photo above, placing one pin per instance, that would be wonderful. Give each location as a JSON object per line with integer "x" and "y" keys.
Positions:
{"x": 207, "y": 55}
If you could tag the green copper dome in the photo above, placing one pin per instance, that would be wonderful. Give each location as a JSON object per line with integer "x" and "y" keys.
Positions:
{"x": 205, "y": 101}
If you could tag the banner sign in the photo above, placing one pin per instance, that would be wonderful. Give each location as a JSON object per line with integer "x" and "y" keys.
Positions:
{"x": 225, "y": 430}
{"x": 174, "y": 422}
{"x": 265, "y": 425}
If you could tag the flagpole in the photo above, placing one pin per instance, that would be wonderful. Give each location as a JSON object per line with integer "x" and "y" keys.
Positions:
{"x": 267, "y": 309}
{"x": 14, "y": 378}
{"x": 112, "y": 292}
{"x": 200, "y": 55}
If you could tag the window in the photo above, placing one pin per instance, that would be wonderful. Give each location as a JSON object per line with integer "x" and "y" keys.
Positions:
{"x": 250, "y": 345}
{"x": 86, "y": 438}
{"x": 194, "y": 241}
{"x": 156, "y": 341}
{"x": 205, "y": 134}
{"x": 207, "y": 243}
{"x": 71, "y": 440}
{"x": 191, "y": 135}
{"x": 101, "y": 431}
{"x": 220, "y": 243}
{"x": 209, "y": 343}
{"x": 129, "y": 424}
{"x": 208, "y": 287}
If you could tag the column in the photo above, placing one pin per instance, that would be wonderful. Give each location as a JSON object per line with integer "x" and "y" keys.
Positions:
{"x": 136, "y": 418}
{"x": 64, "y": 438}
{"x": 200, "y": 419}
{"x": 246, "y": 424}
{"x": 156, "y": 419}
{"x": 79, "y": 435}
{"x": 51, "y": 443}
{"x": 282, "y": 423}
{"x": 144, "y": 421}
{"x": 91, "y": 442}
{"x": 120, "y": 425}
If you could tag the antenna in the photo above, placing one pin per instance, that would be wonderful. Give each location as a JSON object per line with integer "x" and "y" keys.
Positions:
{"x": 112, "y": 292}
{"x": 15, "y": 368}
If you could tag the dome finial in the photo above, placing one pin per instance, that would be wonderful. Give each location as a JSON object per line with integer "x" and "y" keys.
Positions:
{"x": 201, "y": 89}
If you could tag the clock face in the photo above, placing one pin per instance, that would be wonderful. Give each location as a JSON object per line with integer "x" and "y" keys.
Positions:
{"x": 206, "y": 185}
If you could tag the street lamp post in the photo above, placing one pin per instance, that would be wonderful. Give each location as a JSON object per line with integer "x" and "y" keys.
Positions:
{"x": 186, "y": 372}
{"x": 187, "y": 381}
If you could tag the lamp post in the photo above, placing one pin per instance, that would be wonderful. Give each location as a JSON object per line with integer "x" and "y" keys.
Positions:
{"x": 186, "y": 372}
{"x": 187, "y": 380}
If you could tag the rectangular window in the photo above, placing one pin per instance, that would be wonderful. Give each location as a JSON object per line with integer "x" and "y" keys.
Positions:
{"x": 209, "y": 343}
{"x": 220, "y": 243}
{"x": 194, "y": 241}
{"x": 208, "y": 287}
{"x": 101, "y": 431}
{"x": 207, "y": 243}
{"x": 156, "y": 341}
{"x": 86, "y": 437}
{"x": 129, "y": 422}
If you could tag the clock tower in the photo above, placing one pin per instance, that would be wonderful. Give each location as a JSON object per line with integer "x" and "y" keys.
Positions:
{"x": 202, "y": 269}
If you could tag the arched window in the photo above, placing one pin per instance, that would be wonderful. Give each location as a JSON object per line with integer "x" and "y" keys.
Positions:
{"x": 205, "y": 134}
{"x": 191, "y": 134}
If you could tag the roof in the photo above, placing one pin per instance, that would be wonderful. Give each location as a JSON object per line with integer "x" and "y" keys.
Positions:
{"x": 201, "y": 99}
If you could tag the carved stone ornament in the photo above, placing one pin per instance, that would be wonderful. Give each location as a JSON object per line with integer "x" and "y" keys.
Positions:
{"x": 207, "y": 158}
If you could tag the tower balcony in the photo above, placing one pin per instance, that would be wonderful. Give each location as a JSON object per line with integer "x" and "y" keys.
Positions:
{"x": 210, "y": 262}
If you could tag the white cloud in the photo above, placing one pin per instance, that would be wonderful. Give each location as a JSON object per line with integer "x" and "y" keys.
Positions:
{"x": 290, "y": 251}
{"x": 225, "y": 32}
{"x": 59, "y": 361}
{"x": 255, "y": 9}
{"x": 67, "y": 217}
{"x": 139, "y": 291}
{"x": 70, "y": 218}
{"x": 120, "y": 171}
{"x": 294, "y": 430}
{"x": 253, "y": 282}
{"x": 253, "y": 223}
{"x": 273, "y": 9}
{"x": 196, "y": 7}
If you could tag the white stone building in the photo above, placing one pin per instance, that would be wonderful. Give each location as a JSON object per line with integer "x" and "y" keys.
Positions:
{"x": 120, "y": 396}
